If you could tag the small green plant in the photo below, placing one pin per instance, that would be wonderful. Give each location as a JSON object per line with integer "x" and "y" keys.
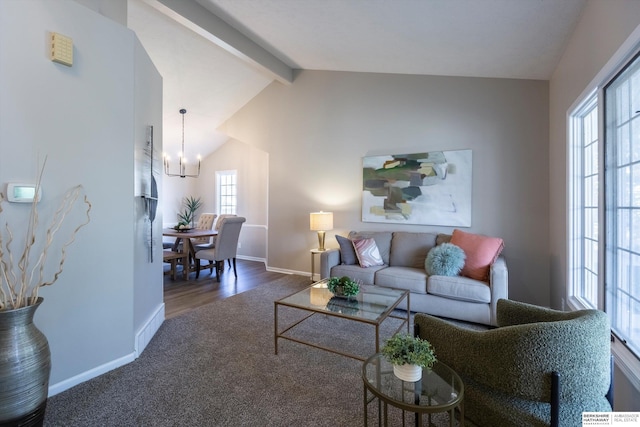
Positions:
{"x": 344, "y": 286}
{"x": 187, "y": 217}
{"x": 403, "y": 349}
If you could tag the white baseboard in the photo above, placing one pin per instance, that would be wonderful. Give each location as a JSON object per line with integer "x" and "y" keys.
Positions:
{"x": 142, "y": 338}
{"x": 90, "y": 374}
{"x": 148, "y": 330}
{"x": 278, "y": 270}
{"x": 286, "y": 271}
{"x": 251, "y": 258}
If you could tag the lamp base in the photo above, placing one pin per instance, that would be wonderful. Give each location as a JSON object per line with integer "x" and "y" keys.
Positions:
{"x": 321, "y": 241}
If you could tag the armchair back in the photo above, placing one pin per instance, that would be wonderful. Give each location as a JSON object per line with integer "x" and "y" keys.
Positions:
{"x": 509, "y": 368}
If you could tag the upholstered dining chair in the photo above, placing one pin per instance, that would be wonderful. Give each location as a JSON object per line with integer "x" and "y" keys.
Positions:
{"x": 226, "y": 247}
{"x": 205, "y": 222}
{"x": 539, "y": 367}
{"x": 211, "y": 241}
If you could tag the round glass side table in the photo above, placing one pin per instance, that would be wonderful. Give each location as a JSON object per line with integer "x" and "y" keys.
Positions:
{"x": 439, "y": 390}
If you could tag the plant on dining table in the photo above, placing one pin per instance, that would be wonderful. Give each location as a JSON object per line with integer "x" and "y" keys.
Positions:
{"x": 21, "y": 280}
{"x": 186, "y": 218}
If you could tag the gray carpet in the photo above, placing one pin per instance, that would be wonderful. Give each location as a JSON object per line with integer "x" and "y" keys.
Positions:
{"x": 216, "y": 366}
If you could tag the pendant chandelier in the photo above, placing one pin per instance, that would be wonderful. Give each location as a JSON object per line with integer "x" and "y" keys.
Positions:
{"x": 182, "y": 164}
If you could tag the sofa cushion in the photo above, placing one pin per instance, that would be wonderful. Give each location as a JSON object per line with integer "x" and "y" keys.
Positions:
{"x": 446, "y": 259}
{"x": 443, "y": 238}
{"x": 366, "y": 276}
{"x": 410, "y": 249}
{"x": 481, "y": 252}
{"x": 411, "y": 279}
{"x": 382, "y": 238}
{"x": 459, "y": 288}
{"x": 347, "y": 252}
{"x": 367, "y": 252}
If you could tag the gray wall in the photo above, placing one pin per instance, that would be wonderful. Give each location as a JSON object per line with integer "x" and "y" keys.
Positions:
{"x": 148, "y": 310}
{"x": 603, "y": 28}
{"x": 252, "y": 168}
{"x": 85, "y": 119}
{"x": 317, "y": 130}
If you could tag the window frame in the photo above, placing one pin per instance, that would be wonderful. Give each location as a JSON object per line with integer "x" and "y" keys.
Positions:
{"x": 615, "y": 202}
{"x": 625, "y": 359}
{"x": 576, "y": 197}
{"x": 221, "y": 176}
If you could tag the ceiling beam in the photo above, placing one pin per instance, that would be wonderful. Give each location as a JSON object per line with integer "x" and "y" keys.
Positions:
{"x": 200, "y": 20}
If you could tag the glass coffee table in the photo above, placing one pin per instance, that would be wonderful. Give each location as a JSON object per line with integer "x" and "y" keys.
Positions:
{"x": 439, "y": 390}
{"x": 373, "y": 305}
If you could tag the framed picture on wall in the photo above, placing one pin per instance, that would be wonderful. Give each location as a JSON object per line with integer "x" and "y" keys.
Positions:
{"x": 431, "y": 188}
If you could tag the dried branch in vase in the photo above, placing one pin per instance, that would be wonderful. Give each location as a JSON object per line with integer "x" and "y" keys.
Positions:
{"x": 21, "y": 281}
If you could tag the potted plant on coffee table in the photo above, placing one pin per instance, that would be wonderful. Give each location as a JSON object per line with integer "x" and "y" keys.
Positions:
{"x": 343, "y": 286}
{"x": 408, "y": 355}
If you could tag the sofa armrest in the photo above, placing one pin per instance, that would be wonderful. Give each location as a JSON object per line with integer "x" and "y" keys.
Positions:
{"x": 328, "y": 259}
{"x": 499, "y": 283}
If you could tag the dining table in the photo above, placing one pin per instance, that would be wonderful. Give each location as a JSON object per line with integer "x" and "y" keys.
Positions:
{"x": 185, "y": 237}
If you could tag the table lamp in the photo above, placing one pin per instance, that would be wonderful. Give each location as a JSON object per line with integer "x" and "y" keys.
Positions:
{"x": 321, "y": 222}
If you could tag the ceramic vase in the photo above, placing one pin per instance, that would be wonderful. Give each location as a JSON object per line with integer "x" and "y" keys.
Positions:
{"x": 25, "y": 365}
{"x": 406, "y": 372}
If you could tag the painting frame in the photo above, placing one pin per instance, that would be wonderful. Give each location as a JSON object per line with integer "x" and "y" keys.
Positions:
{"x": 427, "y": 188}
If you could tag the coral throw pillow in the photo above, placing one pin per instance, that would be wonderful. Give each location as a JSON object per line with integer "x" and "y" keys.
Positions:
{"x": 445, "y": 259}
{"x": 481, "y": 252}
{"x": 367, "y": 252}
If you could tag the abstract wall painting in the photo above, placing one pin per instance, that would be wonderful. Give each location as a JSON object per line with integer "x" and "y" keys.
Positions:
{"x": 431, "y": 188}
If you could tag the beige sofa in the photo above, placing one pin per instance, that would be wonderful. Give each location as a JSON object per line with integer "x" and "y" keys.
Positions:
{"x": 404, "y": 254}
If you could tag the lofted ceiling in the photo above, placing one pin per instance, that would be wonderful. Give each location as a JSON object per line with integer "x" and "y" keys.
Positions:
{"x": 518, "y": 39}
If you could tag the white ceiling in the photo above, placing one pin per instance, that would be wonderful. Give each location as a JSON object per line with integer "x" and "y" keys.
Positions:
{"x": 520, "y": 39}
{"x": 208, "y": 82}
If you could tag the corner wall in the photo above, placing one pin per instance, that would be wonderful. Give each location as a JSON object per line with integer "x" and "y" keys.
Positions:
{"x": 84, "y": 119}
{"x": 252, "y": 167}
{"x": 317, "y": 130}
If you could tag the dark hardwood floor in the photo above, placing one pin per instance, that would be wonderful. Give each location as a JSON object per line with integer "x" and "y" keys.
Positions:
{"x": 181, "y": 296}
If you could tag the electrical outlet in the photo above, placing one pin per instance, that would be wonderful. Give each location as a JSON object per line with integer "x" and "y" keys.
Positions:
{"x": 239, "y": 245}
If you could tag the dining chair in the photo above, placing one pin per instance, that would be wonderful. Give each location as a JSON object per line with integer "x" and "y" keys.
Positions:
{"x": 226, "y": 247}
{"x": 212, "y": 240}
{"x": 211, "y": 243}
{"x": 205, "y": 222}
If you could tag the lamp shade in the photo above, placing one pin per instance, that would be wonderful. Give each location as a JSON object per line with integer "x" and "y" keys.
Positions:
{"x": 321, "y": 221}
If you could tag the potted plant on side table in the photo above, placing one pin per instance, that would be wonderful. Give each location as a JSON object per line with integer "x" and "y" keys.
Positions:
{"x": 408, "y": 355}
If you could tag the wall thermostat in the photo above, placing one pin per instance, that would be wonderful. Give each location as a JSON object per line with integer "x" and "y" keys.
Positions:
{"x": 22, "y": 193}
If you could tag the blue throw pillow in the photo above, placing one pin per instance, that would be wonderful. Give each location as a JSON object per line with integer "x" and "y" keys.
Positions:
{"x": 347, "y": 252}
{"x": 445, "y": 259}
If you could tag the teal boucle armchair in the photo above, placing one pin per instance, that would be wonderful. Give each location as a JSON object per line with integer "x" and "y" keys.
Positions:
{"x": 507, "y": 371}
